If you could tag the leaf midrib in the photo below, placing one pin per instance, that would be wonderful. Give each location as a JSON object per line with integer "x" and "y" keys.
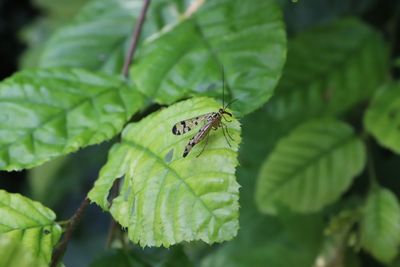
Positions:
{"x": 298, "y": 172}
{"x": 211, "y": 50}
{"x": 5, "y": 204}
{"x": 173, "y": 171}
{"x": 40, "y": 254}
{"x": 51, "y": 224}
{"x": 61, "y": 113}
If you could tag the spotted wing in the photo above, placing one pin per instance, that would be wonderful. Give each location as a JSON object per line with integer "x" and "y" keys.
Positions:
{"x": 197, "y": 137}
{"x": 187, "y": 125}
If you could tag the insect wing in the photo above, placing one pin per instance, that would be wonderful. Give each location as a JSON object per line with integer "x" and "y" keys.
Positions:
{"x": 187, "y": 125}
{"x": 197, "y": 138}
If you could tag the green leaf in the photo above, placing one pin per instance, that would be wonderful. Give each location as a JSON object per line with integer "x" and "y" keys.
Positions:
{"x": 247, "y": 38}
{"x": 298, "y": 96}
{"x": 29, "y": 224}
{"x": 382, "y": 118}
{"x": 34, "y": 36}
{"x": 310, "y": 168}
{"x": 380, "y": 226}
{"x": 165, "y": 198}
{"x": 48, "y": 113}
{"x": 329, "y": 70}
{"x": 12, "y": 253}
{"x": 53, "y": 14}
{"x": 97, "y": 37}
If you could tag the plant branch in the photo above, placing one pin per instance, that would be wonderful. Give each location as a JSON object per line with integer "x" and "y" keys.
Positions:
{"x": 135, "y": 38}
{"x": 59, "y": 251}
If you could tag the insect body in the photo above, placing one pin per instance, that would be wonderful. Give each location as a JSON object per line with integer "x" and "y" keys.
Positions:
{"x": 213, "y": 120}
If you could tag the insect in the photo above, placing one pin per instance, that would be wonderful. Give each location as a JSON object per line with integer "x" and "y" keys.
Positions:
{"x": 213, "y": 120}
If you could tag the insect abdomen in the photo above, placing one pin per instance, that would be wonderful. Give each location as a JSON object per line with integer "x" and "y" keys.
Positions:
{"x": 189, "y": 147}
{"x": 197, "y": 138}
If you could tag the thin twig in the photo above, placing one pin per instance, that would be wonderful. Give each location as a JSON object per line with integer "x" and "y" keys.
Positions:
{"x": 59, "y": 251}
{"x": 135, "y": 38}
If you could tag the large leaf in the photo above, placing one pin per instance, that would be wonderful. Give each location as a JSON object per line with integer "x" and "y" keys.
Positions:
{"x": 329, "y": 70}
{"x": 165, "y": 198}
{"x": 28, "y": 225}
{"x": 382, "y": 118}
{"x": 34, "y": 35}
{"x": 380, "y": 227}
{"x": 47, "y": 113}
{"x": 247, "y": 38}
{"x": 301, "y": 92}
{"x": 310, "y": 168}
{"x": 97, "y": 36}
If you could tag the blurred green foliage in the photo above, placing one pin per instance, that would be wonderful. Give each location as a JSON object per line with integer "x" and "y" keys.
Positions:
{"x": 318, "y": 104}
{"x": 26, "y": 226}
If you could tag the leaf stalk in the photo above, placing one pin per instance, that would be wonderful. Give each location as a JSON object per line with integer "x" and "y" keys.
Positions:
{"x": 135, "y": 38}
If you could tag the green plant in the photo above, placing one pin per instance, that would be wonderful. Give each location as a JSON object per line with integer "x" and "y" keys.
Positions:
{"x": 306, "y": 132}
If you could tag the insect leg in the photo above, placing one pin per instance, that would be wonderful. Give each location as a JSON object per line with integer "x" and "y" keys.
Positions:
{"x": 226, "y": 129}
{"x": 205, "y": 144}
{"x": 226, "y": 119}
{"x": 223, "y": 131}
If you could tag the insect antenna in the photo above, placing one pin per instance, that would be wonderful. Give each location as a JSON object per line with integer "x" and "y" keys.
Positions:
{"x": 223, "y": 85}
{"x": 223, "y": 91}
{"x": 230, "y": 103}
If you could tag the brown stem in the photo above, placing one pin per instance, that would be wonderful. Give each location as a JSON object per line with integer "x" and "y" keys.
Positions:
{"x": 135, "y": 38}
{"x": 59, "y": 251}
